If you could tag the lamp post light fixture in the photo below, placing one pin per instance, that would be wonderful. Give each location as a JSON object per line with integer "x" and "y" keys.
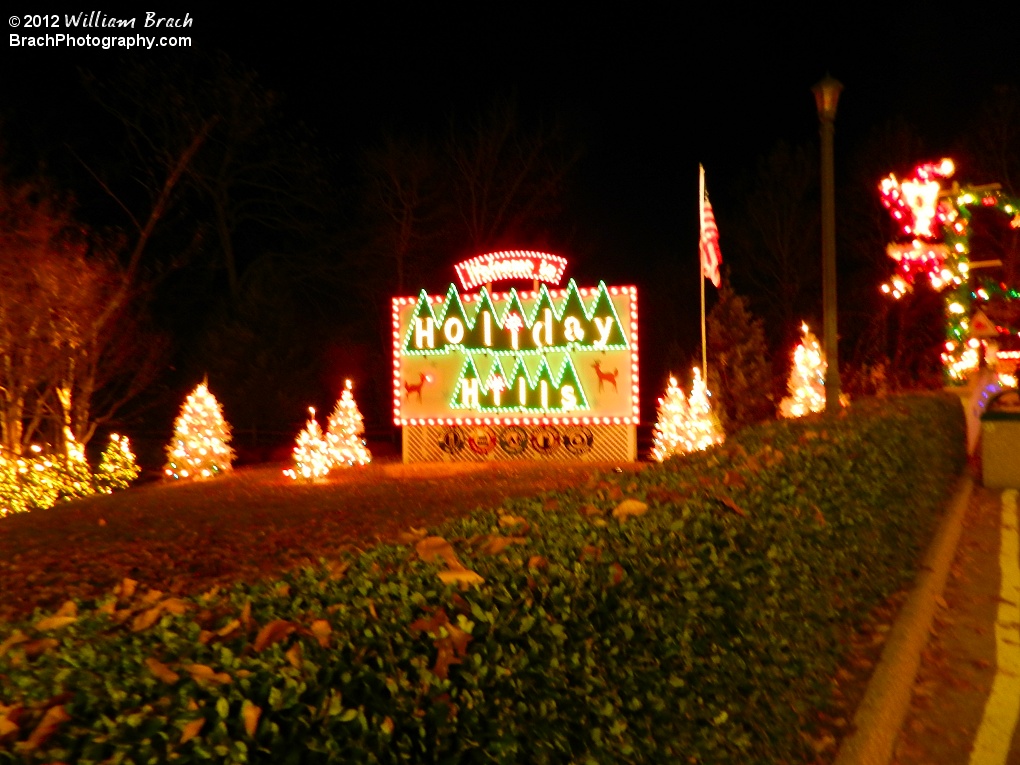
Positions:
{"x": 827, "y": 97}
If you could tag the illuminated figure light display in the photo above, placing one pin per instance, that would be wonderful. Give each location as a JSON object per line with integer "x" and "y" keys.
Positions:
{"x": 538, "y": 374}
{"x": 934, "y": 244}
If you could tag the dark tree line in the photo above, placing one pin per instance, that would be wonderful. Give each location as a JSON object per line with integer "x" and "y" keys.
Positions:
{"x": 772, "y": 243}
{"x": 211, "y": 213}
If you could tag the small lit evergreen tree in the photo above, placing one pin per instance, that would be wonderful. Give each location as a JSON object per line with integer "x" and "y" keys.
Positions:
{"x": 671, "y": 427}
{"x": 72, "y": 473}
{"x": 37, "y": 480}
{"x": 311, "y": 454}
{"x": 686, "y": 424}
{"x": 807, "y": 378}
{"x": 344, "y": 432}
{"x": 703, "y": 427}
{"x": 200, "y": 446}
{"x": 29, "y": 481}
{"x": 117, "y": 466}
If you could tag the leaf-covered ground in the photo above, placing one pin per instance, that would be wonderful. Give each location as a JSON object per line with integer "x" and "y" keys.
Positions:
{"x": 184, "y": 538}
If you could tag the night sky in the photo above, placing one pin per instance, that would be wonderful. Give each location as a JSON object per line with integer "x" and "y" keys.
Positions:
{"x": 650, "y": 94}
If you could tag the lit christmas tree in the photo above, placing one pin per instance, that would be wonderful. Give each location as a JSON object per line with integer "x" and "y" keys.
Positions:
{"x": 73, "y": 472}
{"x": 311, "y": 455}
{"x": 685, "y": 425}
{"x": 672, "y": 423}
{"x": 703, "y": 427}
{"x": 343, "y": 435}
{"x": 117, "y": 466}
{"x": 200, "y": 447}
{"x": 807, "y": 379}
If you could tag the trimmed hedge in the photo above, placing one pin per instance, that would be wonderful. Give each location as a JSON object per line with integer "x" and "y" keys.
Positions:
{"x": 703, "y": 630}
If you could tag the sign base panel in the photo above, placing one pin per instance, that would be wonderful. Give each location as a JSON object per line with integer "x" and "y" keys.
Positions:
{"x": 503, "y": 443}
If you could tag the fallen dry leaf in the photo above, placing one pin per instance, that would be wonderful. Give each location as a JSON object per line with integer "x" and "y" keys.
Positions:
{"x": 733, "y": 478}
{"x": 409, "y": 537}
{"x": 451, "y": 642}
{"x": 250, "y": 713}
{"x": 191, "y": 730}
{"x": 67, "y": 609}
{"x": 461, "y": 576}
{"x": 628, "y": 508}
{"x": 294, "y": 656}
{"x": 321, "y": 631}
{"x": 54, "y": 622}
{"x": 174, "y": 606}
{"x": 618, "y": 573}
{"x": 38, "y": 647}
{"x": 146, "y": 619}
{"x": 126, "y": 589}
{"x": 432, "y": 549}
{"x": 729, "y": 503}
{"x": 162, "y": 671}
{"x": 495, "y": 544}
{"x": 229, "y": 629}
{"x": 337, "y": 569}
{"x": 7, "y": 727}
{"x": 201, "y": 673}
{"x": 274, "y": 632}
{"x": 53, "y": 719}
{"x": 537, "y": 561}
{"x": 15, "y": 637}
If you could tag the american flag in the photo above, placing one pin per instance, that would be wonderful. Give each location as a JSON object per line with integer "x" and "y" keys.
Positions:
{"x": 711, "y": 257}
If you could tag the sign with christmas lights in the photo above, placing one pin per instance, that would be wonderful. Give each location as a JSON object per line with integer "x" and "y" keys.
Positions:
{"x": 510, "y": 264}
{"x": 506, "y": 375}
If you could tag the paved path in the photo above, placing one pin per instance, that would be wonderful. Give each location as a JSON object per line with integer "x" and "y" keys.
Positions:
{"x": 966, "y": 696}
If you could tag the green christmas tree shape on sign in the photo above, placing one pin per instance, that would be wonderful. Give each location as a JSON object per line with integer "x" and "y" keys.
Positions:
{"x": 538, "y": 393}
{"x": 544, "y": 328}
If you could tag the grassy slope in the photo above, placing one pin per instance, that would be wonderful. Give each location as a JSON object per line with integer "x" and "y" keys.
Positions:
{"x": 254, "y": 523}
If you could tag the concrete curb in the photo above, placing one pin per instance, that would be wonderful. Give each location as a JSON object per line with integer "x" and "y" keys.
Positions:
{"x": 881, "y": 713}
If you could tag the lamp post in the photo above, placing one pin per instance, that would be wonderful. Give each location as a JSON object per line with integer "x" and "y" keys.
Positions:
{"x": 826, "y": 97}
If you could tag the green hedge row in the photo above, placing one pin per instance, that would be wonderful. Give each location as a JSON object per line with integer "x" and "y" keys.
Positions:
{"x": 703, "y": 628}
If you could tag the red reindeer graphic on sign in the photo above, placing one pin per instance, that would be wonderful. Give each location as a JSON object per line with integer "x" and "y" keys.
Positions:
{"x": 416, "y": 387}
{"x": 605, "y": 377}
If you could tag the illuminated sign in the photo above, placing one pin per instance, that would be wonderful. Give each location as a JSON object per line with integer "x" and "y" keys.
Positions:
{"x": 510, "y": 264}
{"x": 545, "y": 357}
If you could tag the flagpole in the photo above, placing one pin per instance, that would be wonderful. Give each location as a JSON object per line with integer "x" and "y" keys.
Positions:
{"x": 701, "y": 267}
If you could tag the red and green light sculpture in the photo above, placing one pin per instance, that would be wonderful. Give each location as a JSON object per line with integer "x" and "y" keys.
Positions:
{"x": 935, "y": 227}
